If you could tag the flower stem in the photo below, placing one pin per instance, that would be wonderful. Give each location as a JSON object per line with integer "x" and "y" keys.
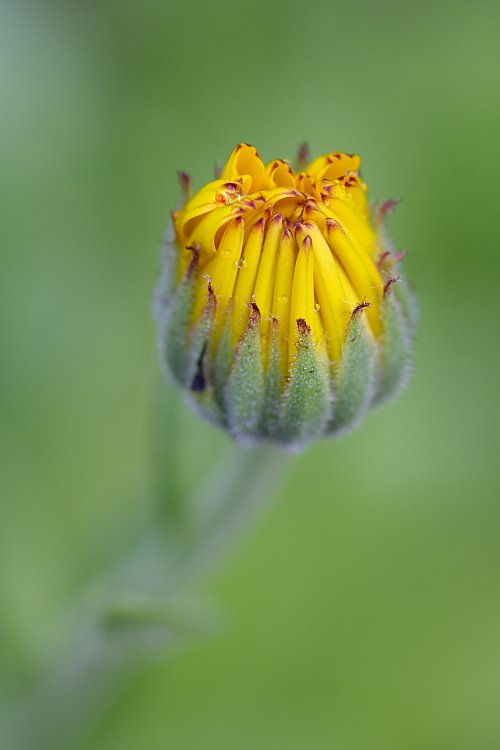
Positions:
{"x": 132, "y": 613}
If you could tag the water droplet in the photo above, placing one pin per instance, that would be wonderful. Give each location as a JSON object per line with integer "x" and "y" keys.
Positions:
{"x": 228, "y": 253}
{"x": 283, "y": 299}
{"x": 241, "y": 263}
{"x": 317, "y": 307}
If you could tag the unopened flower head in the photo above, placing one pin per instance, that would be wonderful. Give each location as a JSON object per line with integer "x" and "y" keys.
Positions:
{"x": 283, "y": 312}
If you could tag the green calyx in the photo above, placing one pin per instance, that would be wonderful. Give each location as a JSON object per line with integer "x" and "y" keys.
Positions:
{"x": 242, "y": 387}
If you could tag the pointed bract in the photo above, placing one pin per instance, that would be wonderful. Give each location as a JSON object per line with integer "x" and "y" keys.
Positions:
{"x": 395, "y": 351}
{"x": 307, "y": 397}
{"x": 245, "y": 389}
{"x": 274, "y": 386}
{"x": 356, "y": 377}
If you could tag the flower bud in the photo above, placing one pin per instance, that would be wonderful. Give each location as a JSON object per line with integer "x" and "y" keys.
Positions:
{"x": 282, "y": 310}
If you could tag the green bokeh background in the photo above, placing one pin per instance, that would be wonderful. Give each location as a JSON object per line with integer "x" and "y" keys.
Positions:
{"x": 363, "y": 612}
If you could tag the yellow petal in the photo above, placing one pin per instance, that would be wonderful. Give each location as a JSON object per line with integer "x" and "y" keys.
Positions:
{"x": 357, "y": 224}
{"x": 245, "y": 160}
{"x": 360, "y": 269}
{"x": 282, "y": 295}
{"x": 280, "y": 173}
{"x": 302, "y": 302}
{"x": 208, "y": 230}
{"x": 223, "y": 268}
{"x": 333, "y": 166}
{"x": 217, "y": 192}
{"x": 264, "y": 285}
{"x": 247, "y": 275}
{"x": 333, "y": 290}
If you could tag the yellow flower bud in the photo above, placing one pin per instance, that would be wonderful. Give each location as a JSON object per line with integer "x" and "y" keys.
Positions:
{"x": 277, "y": 282}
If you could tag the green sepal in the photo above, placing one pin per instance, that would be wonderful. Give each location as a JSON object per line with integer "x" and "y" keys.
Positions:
{"x": 205, "y": 404}
{"x": 184, "y": 344}
{"x": 170, "y": 258}
{"x": 407, "y": 302}
{"x": 274, "y": 384}
{"x": 175, "y": 326}
{"x": 201, "y": 394}
{"x": 389, "y": 268}
{"x": 394, "y": 351}
{"x": 199, "y": 338}
{"x": 220, "y": 366}
{"x": 355, "y": 381}
{"x": 307, "y": 399}
{"x": 245, "y": 389}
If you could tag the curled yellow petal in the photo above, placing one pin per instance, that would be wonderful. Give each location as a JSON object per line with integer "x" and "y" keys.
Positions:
{"x": 245, "y": 160}
{"x": 297, "y": 245}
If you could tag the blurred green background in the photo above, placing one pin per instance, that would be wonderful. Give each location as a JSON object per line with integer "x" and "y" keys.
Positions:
{"x": 363, "y": 612}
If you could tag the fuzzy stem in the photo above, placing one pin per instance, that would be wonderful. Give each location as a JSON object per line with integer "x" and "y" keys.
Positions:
{"x": 129, "y": 616}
